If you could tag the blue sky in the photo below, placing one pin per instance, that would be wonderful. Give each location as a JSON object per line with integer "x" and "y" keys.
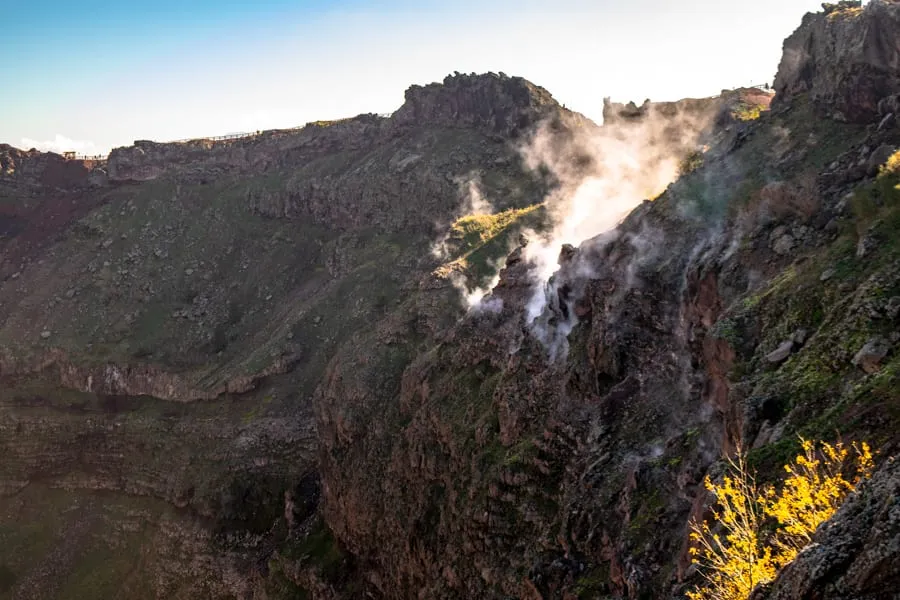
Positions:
{"x": 95, "y": 74}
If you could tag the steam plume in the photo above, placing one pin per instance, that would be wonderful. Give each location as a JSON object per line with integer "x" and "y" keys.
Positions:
{"x": 601, "y": 174}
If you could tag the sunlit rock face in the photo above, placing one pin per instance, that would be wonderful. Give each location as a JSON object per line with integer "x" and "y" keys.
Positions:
{"x": 847, "y": 60}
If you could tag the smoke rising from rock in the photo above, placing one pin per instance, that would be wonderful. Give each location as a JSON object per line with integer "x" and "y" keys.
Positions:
{"x": 60, "y": 144}
{"x": 473, "y": 202}
{"x": 602, "y": 174}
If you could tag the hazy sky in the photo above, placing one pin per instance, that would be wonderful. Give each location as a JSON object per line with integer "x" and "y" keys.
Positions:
{"x": 89, "y": 75}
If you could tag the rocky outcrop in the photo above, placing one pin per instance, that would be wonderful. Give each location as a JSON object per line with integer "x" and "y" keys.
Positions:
{"x": 720, "y": 108}
{"x": 614, "y": 112}
{"x": 856, "y": 554}
{"x": 135, "y": 380}
{"x": 496, "y": 102}
{"x": 847, "y": 60}
{"x": 41, "y": 194}
{"x": 160, "y": 341}
{"x": 29, "y": 169}
{"x": 520, "y": 475}
{"x": 564, "y": 456}
{"x": 202, "y": 160}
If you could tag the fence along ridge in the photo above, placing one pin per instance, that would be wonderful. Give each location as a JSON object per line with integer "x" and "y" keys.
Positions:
{"x": 215, "y": 138}
{"x": 252, "y": 134}
{"x": 71, "y": 155}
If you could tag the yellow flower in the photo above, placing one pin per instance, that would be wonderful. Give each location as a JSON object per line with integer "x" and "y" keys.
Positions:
{"x": 736, "y": 560}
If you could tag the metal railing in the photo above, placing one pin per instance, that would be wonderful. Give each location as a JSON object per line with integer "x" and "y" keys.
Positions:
{"x": 85, "y": 157}
{"x": 219, "y": 138}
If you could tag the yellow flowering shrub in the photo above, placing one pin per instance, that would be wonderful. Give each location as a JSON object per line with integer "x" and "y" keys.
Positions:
{"x": 891, "y": 167}
{"x": 814, "y": 489}
{"x": 733, "y": 561}
{"x": 732, "y": 555}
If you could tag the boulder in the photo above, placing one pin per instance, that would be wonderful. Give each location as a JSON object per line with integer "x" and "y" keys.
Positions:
{"x": 878, "y": 158}
{"x": 800, "y": 337}
{"x": 781, "y": 353}
{"x": 889, "y": 105}
{"x": 784, "y": 244}
{"x": 870, "y": 356}
{"x": 495, "y": 102}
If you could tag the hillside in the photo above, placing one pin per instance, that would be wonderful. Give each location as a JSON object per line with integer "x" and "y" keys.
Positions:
{"x": 480, "y": 348}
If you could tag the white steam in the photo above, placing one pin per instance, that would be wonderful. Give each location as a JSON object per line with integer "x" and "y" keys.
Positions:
{"x": 602, "y": 175}
{"x": 61, "y": 144}
{"x": 475, "y": 299}
{"x": 472, "y": 202}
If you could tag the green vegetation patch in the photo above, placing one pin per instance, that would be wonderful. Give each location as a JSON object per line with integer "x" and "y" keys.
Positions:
{"x": 819, "y": 389}
{"x": 747, "y": 112}
{"x": 477, "y": 242}
{"x": 474, "y": 230}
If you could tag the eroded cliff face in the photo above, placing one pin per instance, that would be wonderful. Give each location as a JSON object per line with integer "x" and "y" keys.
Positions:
{"x": 209, "y": 159}
{"x": 162, "y": 336}
{"x": 502, "y": 104}
{"x": 846, "y": 60}
{"x": 497, "y": 105}
{"x": 28, "y": 181}
{"x": 40, "y": 171}
{"x": 562, "y": 456}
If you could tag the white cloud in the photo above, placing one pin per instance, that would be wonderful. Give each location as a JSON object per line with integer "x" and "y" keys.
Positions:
{"x": 61, "y": 144}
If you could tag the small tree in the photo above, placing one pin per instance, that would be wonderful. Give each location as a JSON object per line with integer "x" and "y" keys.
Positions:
{"x": 733, "y": 557}
{"x": 732, "y": 562}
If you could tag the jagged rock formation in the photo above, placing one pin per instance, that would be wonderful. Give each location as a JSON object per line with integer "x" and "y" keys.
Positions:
{"x": 493, "y": 470}
{"x": 496, "y": 104}
{"x": 41, "y": 171}
{"x": 720, "y": 107}
{"x": 847, "y": 60}
{"x": 207, "y": 159}
{"x": 503, "y": 104}
{"x": 242, "y": 369}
